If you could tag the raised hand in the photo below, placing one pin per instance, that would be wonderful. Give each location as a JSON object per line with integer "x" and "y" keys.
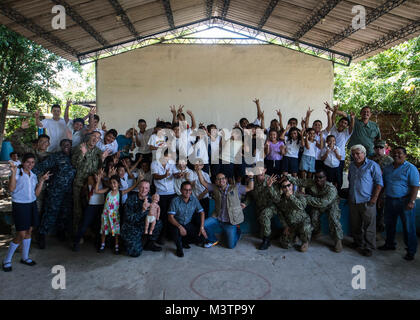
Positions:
{"x": 256, "y": 101}
{"x": 173, "y": 109}
{"x": 83, "y": 148}
{"x": 309, "y": 111}
{"x": 262, "y": 115}
{"x": 278, "y": 112}
{"x": 103, "y": 125}
{"x": 92, "y": 110}
{"x": 105, "y": 154}
{"x": 13, "y": 168}
{"x": 272, "y": 180}
{"x": 112, "y": 172}
{"x": 180, "y": 108}
{"x": 327, "y": 106}
{"x": 25, "y": 124}
{"x": 68, "y": 102}
{"x": 46, "y": 176}
{"x": 302, "y": 123}
{"x": 189, "y": 112}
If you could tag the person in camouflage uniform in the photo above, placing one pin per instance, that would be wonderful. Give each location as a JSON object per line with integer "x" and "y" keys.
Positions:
{"x": 87, "y": 159}
{"x": 58, "y": 204}
{"x": 381, "y": 158}
{"x": 292, "y": 206}
{"x": 322, "y": 197}
{"x": 265, "y": 207}
{"x": 132, "y": 230}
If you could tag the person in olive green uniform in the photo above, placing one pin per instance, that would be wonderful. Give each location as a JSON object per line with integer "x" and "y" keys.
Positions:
{"x": 292, "y": 206}
{"x": 322, "y": 197}
{"x": 381, "y": 158}
{"x": 87, "y": 159}
{"x": 265, "y": 207}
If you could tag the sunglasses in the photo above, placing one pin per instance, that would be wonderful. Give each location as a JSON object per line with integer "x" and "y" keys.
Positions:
{"x": 286, "y": 186}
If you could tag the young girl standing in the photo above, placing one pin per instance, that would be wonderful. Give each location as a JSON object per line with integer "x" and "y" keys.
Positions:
{"x": 274, "y": 150}
{"x": 331, "y": 157}
{"x": 307, "y": 163}
{"x": 24, "y": 186}
{"x": 110, "y": 219}
{"x": 290, "y": 159}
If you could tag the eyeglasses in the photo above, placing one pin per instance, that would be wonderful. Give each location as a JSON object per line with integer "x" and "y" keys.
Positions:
{"x": 286, "y": 186}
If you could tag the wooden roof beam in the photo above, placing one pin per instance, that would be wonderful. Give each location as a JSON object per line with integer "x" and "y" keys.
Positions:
{"x": 315, "y": 17}
{"x": 81, "y": 22}
{"x": 125, "y": 19}
{"x": 168, "y": 11}
{"x": 20, "y": 19}
{"x": 370, "y": 17}
{"x": 267, "y": 13}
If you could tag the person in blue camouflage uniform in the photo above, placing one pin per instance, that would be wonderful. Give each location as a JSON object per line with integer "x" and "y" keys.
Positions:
{"x": 136, "y": 209}
{"x": 322, "y": 197}
{"x": 58, "y": 201}
{"x": 265, "y": 207}
{"x": 291, "y": 205}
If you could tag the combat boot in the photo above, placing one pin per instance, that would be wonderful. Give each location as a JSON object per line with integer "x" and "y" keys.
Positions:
{"x": 338, "y": 246}
{"x": 265, "y": 244}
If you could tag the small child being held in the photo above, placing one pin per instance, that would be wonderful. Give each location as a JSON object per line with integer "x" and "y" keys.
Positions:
{"x": 14, "y": 159}
{"x": 153, "y": 215}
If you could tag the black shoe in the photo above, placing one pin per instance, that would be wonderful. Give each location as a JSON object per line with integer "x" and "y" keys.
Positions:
{"x": 265, "y": 244}
{"x": 386, "y": 248}
{"x": 179, "y": 252}
{"x": 75, "y": 247}
{"x": 160, "y": 241}
{"x": 409, "y": 257}
{"x": 31, "y": 263}
{"x": 7, "y": 269}
{"x": 186, "y": 246}
{"x": 41, "y": 241}
{"x": 366, "y": 252}
{"x": 150, "y": 246}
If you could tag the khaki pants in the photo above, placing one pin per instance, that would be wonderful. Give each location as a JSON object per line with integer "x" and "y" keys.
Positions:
{"x": 363, "y": 224}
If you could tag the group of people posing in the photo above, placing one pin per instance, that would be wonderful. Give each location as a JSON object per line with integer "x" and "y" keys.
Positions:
{"x": 80, "y": 179}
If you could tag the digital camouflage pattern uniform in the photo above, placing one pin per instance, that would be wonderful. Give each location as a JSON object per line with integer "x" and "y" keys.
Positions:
{"x": 383, "y": 161}
{"x": 325, "y": 200}
{"x": 132, "y": 229}
{"x": 59, "y": 199}
{"x": 85, "y": 165}
{"x": 295, "y": 217}
{"x": 265, "y": 207}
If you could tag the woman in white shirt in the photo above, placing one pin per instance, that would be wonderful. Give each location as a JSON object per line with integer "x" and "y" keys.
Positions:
{"x": 24, "y": 186}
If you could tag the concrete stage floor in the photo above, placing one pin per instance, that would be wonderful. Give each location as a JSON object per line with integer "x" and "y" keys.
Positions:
{"x": 215, "y": 273}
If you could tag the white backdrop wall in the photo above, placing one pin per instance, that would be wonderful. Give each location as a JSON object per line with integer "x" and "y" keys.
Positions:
{"x": 218, "y": 83}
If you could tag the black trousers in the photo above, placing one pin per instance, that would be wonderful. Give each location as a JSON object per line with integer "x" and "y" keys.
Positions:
{"x": 191, "y": 237}
{"x": 92, "y": 216}
{"x": 164, "y": 203}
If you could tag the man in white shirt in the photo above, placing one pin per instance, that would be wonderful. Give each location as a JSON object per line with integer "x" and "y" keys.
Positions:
{"x": 142, "y": 140}
{"x": 56, "y": 127}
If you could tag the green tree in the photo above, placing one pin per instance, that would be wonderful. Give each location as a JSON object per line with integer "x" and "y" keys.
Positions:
{"x": 388, "y": 82}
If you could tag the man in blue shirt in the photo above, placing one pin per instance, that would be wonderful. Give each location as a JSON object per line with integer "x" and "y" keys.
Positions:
{"x": 180, "y": 215}
{"x": 365, "y": 184}
{"x": 401, "y": 180}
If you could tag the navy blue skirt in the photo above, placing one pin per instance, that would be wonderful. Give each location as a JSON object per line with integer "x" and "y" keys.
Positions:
{"x": 25, "y": 215}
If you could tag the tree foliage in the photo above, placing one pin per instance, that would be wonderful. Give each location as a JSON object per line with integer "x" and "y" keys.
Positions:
{"x": 387, "y": 82}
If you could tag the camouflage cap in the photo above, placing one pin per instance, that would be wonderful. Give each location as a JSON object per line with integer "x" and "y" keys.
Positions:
{"x": 380, "y": 143}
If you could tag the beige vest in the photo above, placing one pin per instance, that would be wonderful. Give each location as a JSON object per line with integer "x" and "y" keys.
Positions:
{"x": 236, "y": 216}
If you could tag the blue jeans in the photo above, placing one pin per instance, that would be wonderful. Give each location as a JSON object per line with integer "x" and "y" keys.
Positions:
{"x": 395, "y": 208}
{"x": 232, "y": 232}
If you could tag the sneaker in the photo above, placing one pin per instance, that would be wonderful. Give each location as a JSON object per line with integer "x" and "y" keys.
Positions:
{"x": 210, "y": 244}
{"x": 28, "y": 262}
{"x": 409, "y": 257}
{"x": 265, "y": 244}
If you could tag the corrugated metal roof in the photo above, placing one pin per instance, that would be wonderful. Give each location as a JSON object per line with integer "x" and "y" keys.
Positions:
{"x": 99, "y": 24}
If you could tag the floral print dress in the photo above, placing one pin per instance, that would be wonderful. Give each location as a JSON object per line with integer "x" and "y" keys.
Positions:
{"x": 110, "y": 219}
